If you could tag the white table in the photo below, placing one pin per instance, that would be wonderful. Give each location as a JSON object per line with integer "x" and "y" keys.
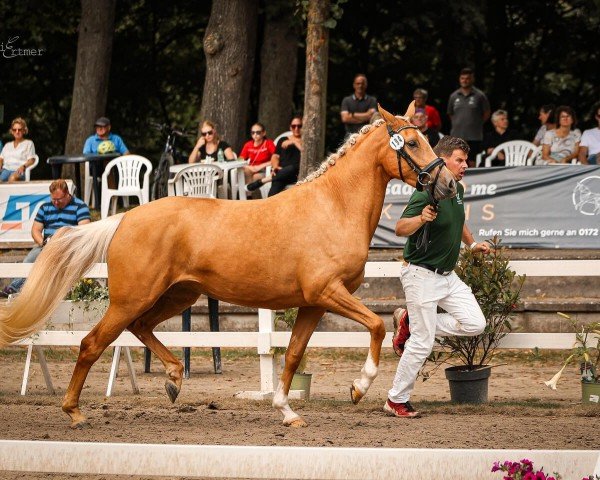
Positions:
{"x": 238, "y": 180}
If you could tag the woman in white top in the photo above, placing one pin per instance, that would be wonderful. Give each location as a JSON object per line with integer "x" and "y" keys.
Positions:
{"x": 562, "y": 144}
{"x": 17, "y": 155}
{"x": 546, "y": 118}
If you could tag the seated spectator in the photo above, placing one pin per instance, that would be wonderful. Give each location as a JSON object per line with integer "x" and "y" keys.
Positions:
{"x": 17, "y": 155}
{"x": 63, "y": 209}
{"x": 285, "y": 162}
{"x": 561, "y": 145}
{"x": 258, "y": 152}
{"x": 546, "y": 118}
{"x": 434, "y": 122}
{"x": 498, "y": 135}
{"x": 419, "y": 119}
{"x": 589, "y": 148}
{"x": 103, "y": 141}
{"x": 209, "y": 147}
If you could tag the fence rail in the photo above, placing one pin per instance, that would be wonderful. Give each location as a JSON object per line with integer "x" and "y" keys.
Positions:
{"x": 265, "y": 339}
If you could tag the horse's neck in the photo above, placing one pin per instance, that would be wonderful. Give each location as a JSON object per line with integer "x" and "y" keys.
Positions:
{"x": 358, "y": 183}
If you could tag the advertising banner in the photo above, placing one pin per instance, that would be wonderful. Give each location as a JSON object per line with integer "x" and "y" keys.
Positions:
{"x": 550, "y": 206}
{"x": 19, "y": 203}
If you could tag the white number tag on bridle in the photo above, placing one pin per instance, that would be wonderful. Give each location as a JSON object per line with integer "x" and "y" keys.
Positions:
{"x": 397, "y": 141}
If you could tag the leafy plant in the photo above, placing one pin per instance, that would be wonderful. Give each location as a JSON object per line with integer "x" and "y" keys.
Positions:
{"x": 288, "y": 318}
{"x": 584, "y": 351}
{"x": 497, "y": 289}
{"x": 87, "y": 290}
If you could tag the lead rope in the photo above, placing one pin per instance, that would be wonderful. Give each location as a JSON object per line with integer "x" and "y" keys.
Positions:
{"x": 423, "y": 236}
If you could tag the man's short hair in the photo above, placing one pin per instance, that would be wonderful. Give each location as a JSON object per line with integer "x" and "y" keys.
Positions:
{"x": 421, "y": 92}
{"x": 59, "y": 184}
{"x": 359, "y": 75}
{"x": 499, "y": 113}
{"x": 448, "y": 144}
{"x": 467, "y": 71}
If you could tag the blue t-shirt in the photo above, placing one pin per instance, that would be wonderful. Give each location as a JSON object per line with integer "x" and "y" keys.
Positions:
{"x": 91, "y": 144}
{"x": 54, "y": 218}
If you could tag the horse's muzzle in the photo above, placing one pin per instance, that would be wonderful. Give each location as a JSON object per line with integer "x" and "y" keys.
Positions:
{"x": 445, "y": 187}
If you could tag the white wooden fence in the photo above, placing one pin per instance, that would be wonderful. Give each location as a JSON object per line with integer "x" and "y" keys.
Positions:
{"x": 266, "y": 338}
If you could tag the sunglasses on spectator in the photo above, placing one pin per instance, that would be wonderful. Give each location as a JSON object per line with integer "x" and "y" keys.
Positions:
{"x": 256, "y": 132}
{"x": 296, "y": 125}
{"x": 210, "y": 132}
{"x": 61, "y": 198}
{"x": 17, "y": 129}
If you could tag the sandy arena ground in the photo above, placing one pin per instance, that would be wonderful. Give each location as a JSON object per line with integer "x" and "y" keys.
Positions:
{"x": 523, "y": 413}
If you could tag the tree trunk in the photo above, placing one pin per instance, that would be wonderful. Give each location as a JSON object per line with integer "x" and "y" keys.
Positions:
{"x": 229, "y": 46}
{"x": 317, "y": 56}
{"x": 279, "y": 62}
{"x": 90, "y": 87}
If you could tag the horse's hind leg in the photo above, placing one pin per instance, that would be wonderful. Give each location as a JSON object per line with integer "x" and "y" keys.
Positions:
{"x": 338, "y": 299}
{"x": 171, "y": 303}
{"x": 304, "y": 326}
{"x": 92, "y": 346}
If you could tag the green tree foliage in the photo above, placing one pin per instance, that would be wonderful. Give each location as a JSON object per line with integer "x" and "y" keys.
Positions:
{"x": 524, "y": 53}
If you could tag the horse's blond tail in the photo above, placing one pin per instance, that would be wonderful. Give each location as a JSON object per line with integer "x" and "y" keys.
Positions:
{"x": 64, "y": 260}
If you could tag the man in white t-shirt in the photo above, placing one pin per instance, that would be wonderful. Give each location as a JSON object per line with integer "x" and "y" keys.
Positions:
{"x": 589, "y": 148}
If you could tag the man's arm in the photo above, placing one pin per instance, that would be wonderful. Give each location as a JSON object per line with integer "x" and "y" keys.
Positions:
{"x": 583, "y": 154}
{"x": 467, "y": 238}
{"x": 406, "y": 226}
{"x": 37, "y": 232}
{"x": 357, "y": 117}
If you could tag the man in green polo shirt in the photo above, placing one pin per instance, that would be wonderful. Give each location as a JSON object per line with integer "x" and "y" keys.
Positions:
{"x": 428, "y": 279}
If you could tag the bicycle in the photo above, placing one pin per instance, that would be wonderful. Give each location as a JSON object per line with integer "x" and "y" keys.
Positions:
{"x": 170, "y": 156}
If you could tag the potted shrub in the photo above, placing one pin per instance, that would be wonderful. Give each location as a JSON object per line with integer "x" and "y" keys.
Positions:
{"x": 85, "y": 303}
{"x": 586, "y": 351}
{"x": 497, "y": 289}
{"x": 301, "y": 379}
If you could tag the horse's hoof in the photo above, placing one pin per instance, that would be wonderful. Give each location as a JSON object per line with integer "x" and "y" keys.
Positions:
{"x": 172, "y": 390}
{"x": 355, "y": 394}
{"x": 297, "y": 422}
{"x": 81, "y": 425}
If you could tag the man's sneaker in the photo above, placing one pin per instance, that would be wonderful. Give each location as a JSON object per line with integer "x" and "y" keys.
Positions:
{"x": 7, "y": 292}
{"x": 401, "y": 330}
{"x": 402, "y": 410}
{"x": 255, "y": 185}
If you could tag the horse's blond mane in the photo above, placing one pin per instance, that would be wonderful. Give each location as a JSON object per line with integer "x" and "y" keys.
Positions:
{"x": 341, "y": 151}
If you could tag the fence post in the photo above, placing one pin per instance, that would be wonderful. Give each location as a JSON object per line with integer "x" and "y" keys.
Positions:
{"x": 268, "y": 369}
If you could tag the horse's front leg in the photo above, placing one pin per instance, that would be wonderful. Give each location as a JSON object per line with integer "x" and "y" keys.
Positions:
{"x": 304, "y": 326}
{"x": 337, "y": 298}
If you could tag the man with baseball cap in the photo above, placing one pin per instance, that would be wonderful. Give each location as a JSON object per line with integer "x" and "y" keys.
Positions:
{"x": 103, "y": 141}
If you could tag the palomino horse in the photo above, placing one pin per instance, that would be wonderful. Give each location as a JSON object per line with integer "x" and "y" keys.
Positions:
{"x": 163, "y": 255}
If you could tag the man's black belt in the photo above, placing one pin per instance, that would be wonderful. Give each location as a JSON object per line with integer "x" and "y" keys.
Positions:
{"x": 439, "y": 271}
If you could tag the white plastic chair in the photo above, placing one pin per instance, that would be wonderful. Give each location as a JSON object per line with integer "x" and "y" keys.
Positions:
{"x": 28, "y": 170}
{"x": 88, "y": 191}
{"x": 197, "y": 180}
{"x": 282, "y": 135}
{"x": 129, "y": 168}
{"x": 516, "y": 153}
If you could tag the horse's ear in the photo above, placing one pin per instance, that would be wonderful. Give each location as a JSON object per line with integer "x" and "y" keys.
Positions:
{"x": 387, "y": 116}
{"x": 410, "y": 111}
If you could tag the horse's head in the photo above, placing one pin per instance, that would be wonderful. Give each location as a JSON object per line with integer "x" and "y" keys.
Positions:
{"x": 409, "y": 157}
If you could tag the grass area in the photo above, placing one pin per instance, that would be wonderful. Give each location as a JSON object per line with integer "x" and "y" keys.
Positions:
{"x": 529, "y": 357}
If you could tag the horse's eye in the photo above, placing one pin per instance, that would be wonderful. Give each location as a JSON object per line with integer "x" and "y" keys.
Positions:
{"x": 411, "y": 143}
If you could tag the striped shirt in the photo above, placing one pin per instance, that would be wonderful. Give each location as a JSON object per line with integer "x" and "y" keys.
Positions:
{"x": 53, "y": 218}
